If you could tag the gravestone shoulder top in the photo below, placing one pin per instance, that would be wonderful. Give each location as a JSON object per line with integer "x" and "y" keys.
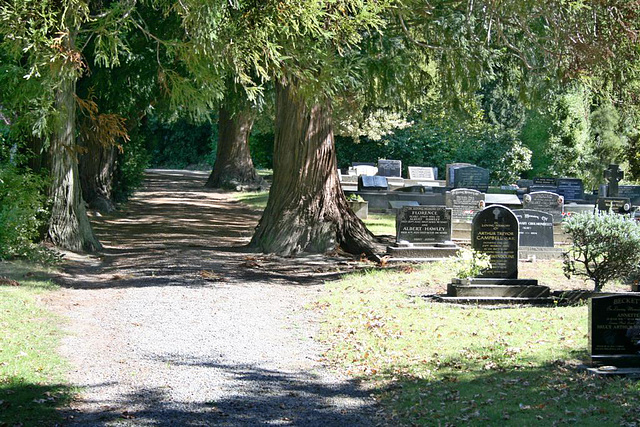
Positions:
{"x": 545, "y": 201}
{"x": 495, "y": 232}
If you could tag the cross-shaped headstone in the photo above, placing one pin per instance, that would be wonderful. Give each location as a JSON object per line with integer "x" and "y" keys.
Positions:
{"x": 613, "y": 175}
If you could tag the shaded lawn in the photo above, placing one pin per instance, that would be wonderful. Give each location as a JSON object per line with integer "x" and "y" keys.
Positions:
{"x": 32, "y": 382}
{"x": 437, "y": 364}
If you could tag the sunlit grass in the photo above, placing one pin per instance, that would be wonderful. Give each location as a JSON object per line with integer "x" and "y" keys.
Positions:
{"x": 437, "y": 364}
{"x": 381, "y": 224}
{"x": 32, "y": 381}
{"x": 256, "y": 199}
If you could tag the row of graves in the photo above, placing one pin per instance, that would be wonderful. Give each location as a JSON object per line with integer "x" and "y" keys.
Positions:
{"x": 426, "y": 232}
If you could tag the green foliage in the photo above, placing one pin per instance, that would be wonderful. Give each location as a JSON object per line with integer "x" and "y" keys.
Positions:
{"x": 470, "y": 263}
{"x": 22, "y": 212}
{"x": 261, "y": 146}
{"x": 606, "y": 246}
{"x": 181, "y": 143}
{"x": 130, "y": 166}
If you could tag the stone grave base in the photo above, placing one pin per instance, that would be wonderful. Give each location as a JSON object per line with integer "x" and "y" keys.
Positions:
{"x": 496, "y": 291}
{"x": 618, "y": 372}
{"x": 539, "y": 253}
{"x": 421, "y": 252}
{"x": 618, "y": 361}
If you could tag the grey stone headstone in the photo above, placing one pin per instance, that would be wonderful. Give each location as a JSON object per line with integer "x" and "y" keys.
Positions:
{"x": 367, "y": 170}
{"x": 465, "y": 203}
{"x": 621, "y": 205}
{"x": 536, "y": 228}
{"x": 390, "y": 168}
{"x": 571, "y": 189}
{"x": 423, "y": 224}
{"x": 472, "y": 177}
{"x": 417, "y": 173}
{"x": 375, "y": 183}
{"x": 495, "y": 232}
{"x": 545, "y": 201}
{"x": 614, "y": 330}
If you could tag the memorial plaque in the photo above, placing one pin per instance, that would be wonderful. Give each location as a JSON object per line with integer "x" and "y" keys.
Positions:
{"x": 366, "y": 170}
{"x": 472, "y": 177}
{"x": 545, "y": 201}
{"x": 423, "y": 224}
{"x": 494, "y": 231}
{"x": 571, "y": 189}
{"x": 372, "y": 183}
{"x": 390, "y": 168}
{"x": 536, "y": 228}
{"x": 621, "y": 205}
{"x": 630, "y": 191}
{"x": 524, "y": 183}
{"x": 551, "y": 182}
{"x": 465, "y": 204}
{"x": 450, "y": 172}
{"x": 417, "y": 173}
{"x": 614, "y": 330}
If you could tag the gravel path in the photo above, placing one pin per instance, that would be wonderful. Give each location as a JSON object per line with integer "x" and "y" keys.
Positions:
{"x": 176, "y": 324}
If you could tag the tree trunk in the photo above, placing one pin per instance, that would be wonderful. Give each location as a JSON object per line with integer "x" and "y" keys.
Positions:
{"x": 307, "y": 210}
{"x": 234, "y": 167}
{"x": 96, "y": 175}
{"x": 69, "y": 226}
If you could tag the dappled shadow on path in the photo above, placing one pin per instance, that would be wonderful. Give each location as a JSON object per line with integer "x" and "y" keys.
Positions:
{"x": 176, "y": 232}
{"x": 251, "y": 396}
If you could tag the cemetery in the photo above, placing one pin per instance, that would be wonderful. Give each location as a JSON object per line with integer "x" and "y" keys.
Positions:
{"x": 319, "y": 213}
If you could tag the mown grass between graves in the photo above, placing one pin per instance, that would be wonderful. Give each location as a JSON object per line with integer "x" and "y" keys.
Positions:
{"x": 32, "y": 374}
{"x": 435, "y": 364}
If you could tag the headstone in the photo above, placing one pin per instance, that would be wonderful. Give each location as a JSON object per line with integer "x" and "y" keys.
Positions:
{"x": 545, "y": 201}
{"x": 367, "y": 170}
{"x": 390, "y": 168}
{"x": 621, "y": 205}
{"x": 465, "y": 203}
{"x": 494, "y": 231}
{"x": 450, "y": 172}
{"x": 547, "y": 181}
{"x": 630, "y": 191}
{"x": 614, "y": 175}
{"x": 614, "y": 330}
{"x": 418, "y": 173}
{"x": 354, "y": 164}
{"x": 535, "y": 188}
{"x": 473, "y": 177}
{"x": 423, "y": 224}
{"x": 571, "y": 189}
{"x": 536, "y": 228}
{"x": 372, "y": 183}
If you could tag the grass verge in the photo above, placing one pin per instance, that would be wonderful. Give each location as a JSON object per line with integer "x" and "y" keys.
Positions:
{"x": 32, "y": 382}
{"x": 256, "y": 199}
{"x": 435, "y": 364}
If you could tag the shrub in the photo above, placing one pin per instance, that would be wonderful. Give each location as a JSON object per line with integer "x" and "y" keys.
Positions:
{"x": 130, "y": 166}
{"x": 470, "y": 263}
{"x": 22, "y": 212}
{"x": 606, "y": 246}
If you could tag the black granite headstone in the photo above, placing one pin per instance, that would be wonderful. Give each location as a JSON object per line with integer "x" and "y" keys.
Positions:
{"x": 545, "y": 201}
{"x": 465, "y": 203}
{"x": 450, "y": 172}
{"x": 472, "y": 177}
{"x": 494, "y": 231}
{"x": 614, "y": 330}
{"x": 536, "y": 187}
{"x": 614, "y": 175}
{"x": 630, "y": 191}
{"x": 391, "y": 168}
{"x": 524, "y": 183}
{"x": 423, "y": 224}
{"x": 372, "y": 183}
{"x": 571, "y": 189}
{"x": 621, "y": 205}
{"x": 552, "y": 182}
{"x": 536, "y": 228}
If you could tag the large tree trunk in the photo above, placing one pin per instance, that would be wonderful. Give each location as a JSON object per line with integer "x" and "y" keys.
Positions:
{"x": 69, "y": 226}
{"x": 234, "y": 167}
{"x": 307, "y": 210}
{"x": 96, "y": 175}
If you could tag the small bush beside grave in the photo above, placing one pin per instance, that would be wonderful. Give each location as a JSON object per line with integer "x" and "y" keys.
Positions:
{"x": 606, "y": 246}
